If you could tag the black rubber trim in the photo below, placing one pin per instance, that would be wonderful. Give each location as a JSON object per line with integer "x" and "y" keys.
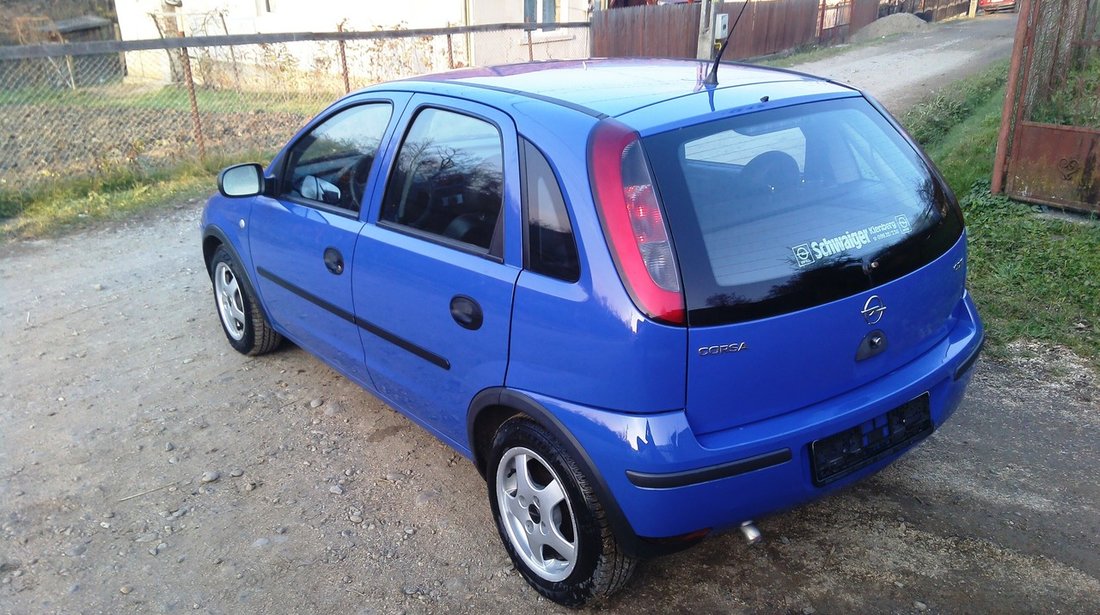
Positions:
{"x": 971, "y": 360}
{"x": 212, "y": 231}
{"x": 314, "y": 299}
{"x": 405, "y": 344}
{"x": 370, "y": 327}
{"x": 631, "y": 543}
{"x": 672, "y": 480}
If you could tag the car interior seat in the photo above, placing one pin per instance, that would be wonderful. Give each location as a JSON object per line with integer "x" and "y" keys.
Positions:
{"x": 771, "y": 172}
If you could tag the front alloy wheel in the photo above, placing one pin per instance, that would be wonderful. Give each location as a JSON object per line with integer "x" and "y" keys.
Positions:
{"x": 243, "y": 321}
{"x": 230, "y": 304}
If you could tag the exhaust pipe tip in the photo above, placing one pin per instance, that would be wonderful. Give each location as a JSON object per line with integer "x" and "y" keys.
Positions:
{"x": 751, "y": 532}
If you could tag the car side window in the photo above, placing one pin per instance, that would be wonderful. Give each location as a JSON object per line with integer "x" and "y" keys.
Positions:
{"x": 448, "y": 179}
{"x": 331, "y": 164}
{"x": 551, "y": 248}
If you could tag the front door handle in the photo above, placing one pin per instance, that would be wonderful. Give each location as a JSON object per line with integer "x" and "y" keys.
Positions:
{"x": 334, "y": 261}
{"x": 466, "y": 312}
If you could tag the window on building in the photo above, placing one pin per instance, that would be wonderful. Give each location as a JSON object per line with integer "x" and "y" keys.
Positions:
{"x": 542, "y": 11}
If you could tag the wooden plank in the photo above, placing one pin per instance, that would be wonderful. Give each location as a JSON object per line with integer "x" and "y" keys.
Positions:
{"x": 863, "y": 13}
{"x": 597, "y": 38}
{"x": 672, "y": 30}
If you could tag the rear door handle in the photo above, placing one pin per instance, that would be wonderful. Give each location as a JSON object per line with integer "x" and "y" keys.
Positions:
{"x": 466, "y": 312}
{"x": 334, "y": 261}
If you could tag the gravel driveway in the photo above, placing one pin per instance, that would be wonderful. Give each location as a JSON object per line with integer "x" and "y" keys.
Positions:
{"x": 901, "y": 71}
{"x": 146, "y": 467}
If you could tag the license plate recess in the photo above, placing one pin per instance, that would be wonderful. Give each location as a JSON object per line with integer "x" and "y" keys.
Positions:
{"x": 840, "y": 454}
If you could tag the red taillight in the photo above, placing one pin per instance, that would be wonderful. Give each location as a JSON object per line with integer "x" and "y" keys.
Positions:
{"x": 633, "y": 221}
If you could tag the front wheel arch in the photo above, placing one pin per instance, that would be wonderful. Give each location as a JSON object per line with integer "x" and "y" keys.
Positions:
{"x": 244, "y": 320}
{"x": 214, "y": 238}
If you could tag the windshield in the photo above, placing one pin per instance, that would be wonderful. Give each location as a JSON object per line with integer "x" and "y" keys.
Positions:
{"x": 780, "y": 210}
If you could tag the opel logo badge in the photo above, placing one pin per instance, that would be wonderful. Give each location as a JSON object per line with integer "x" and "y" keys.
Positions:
{"x": 873, "y": 310}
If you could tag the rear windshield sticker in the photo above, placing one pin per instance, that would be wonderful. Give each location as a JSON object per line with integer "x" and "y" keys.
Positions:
{"x": 809, "y": 253}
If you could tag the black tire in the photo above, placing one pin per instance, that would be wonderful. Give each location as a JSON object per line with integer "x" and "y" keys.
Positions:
{"x": 596, "y": 567}
{"x": 242, "y": 320}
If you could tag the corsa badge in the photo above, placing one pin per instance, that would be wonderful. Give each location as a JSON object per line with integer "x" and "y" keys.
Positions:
{"x": 707, "y": 351}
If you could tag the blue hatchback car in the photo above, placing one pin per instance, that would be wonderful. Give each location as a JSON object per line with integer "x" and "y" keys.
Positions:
{"x": 646, "y": 307}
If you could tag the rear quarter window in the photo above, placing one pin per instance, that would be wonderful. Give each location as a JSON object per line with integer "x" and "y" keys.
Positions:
{"x": 550, "y": 248}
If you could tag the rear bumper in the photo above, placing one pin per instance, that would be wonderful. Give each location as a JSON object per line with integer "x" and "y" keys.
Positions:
{"x": 668, "y": 482}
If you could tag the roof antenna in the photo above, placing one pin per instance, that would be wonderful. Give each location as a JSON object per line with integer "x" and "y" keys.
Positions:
{"x": 712, "y": 76}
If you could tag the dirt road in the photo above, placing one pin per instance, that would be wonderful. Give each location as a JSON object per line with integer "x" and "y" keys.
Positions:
{"x": 119, "y": 397}
{"x": 903, "y": 70}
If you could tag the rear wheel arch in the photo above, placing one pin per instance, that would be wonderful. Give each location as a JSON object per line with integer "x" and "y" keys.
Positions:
{"x": 492, "y": 407}
{"x": 483, "y": 426}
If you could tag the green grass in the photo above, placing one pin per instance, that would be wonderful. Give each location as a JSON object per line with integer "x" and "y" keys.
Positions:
{"x": 171, "y": 98}
{"x": 932, "y": 119}
{"x": 112, "y": 195}
{"x": 1074, "y": 102}
{"x": 1033, "y": 277}
{"x": 964, "y": 154}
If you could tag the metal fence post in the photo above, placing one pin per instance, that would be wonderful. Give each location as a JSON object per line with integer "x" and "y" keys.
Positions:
{"x": 821, "y": 21}
{"x": 189, "y": 78}
{"x": 343, "y": 60}
{"x": 450, "y": 52}
{"x": 530, "y": 48}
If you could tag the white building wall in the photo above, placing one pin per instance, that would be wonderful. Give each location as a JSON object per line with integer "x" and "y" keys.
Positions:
{"x": 515, "y": 45}
{"x": 138, "y": 20}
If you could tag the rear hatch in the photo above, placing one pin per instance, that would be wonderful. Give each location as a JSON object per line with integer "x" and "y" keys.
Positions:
{"x": 817, "y": 252}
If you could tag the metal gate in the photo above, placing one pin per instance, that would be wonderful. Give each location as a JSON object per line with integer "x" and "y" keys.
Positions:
{"x": 1048, "y": 150}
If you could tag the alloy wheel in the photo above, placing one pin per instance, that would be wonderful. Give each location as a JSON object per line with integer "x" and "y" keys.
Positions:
{"x": 537, "y": 514}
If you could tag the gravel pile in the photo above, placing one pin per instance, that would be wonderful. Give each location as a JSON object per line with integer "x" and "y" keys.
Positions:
{"x": 898, "y": 23}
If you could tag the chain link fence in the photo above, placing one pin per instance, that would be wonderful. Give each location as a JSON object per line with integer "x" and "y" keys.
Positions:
{"x": 95, "y": 109}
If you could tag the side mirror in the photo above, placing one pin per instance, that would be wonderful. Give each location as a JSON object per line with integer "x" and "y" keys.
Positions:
{"x": 241, "y": 180}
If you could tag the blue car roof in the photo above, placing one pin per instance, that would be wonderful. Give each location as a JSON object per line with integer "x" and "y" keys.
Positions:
{"x": 614, "y": 87}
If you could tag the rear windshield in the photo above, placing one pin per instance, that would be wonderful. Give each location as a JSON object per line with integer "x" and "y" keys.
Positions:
{"x": 780, "y": 210}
